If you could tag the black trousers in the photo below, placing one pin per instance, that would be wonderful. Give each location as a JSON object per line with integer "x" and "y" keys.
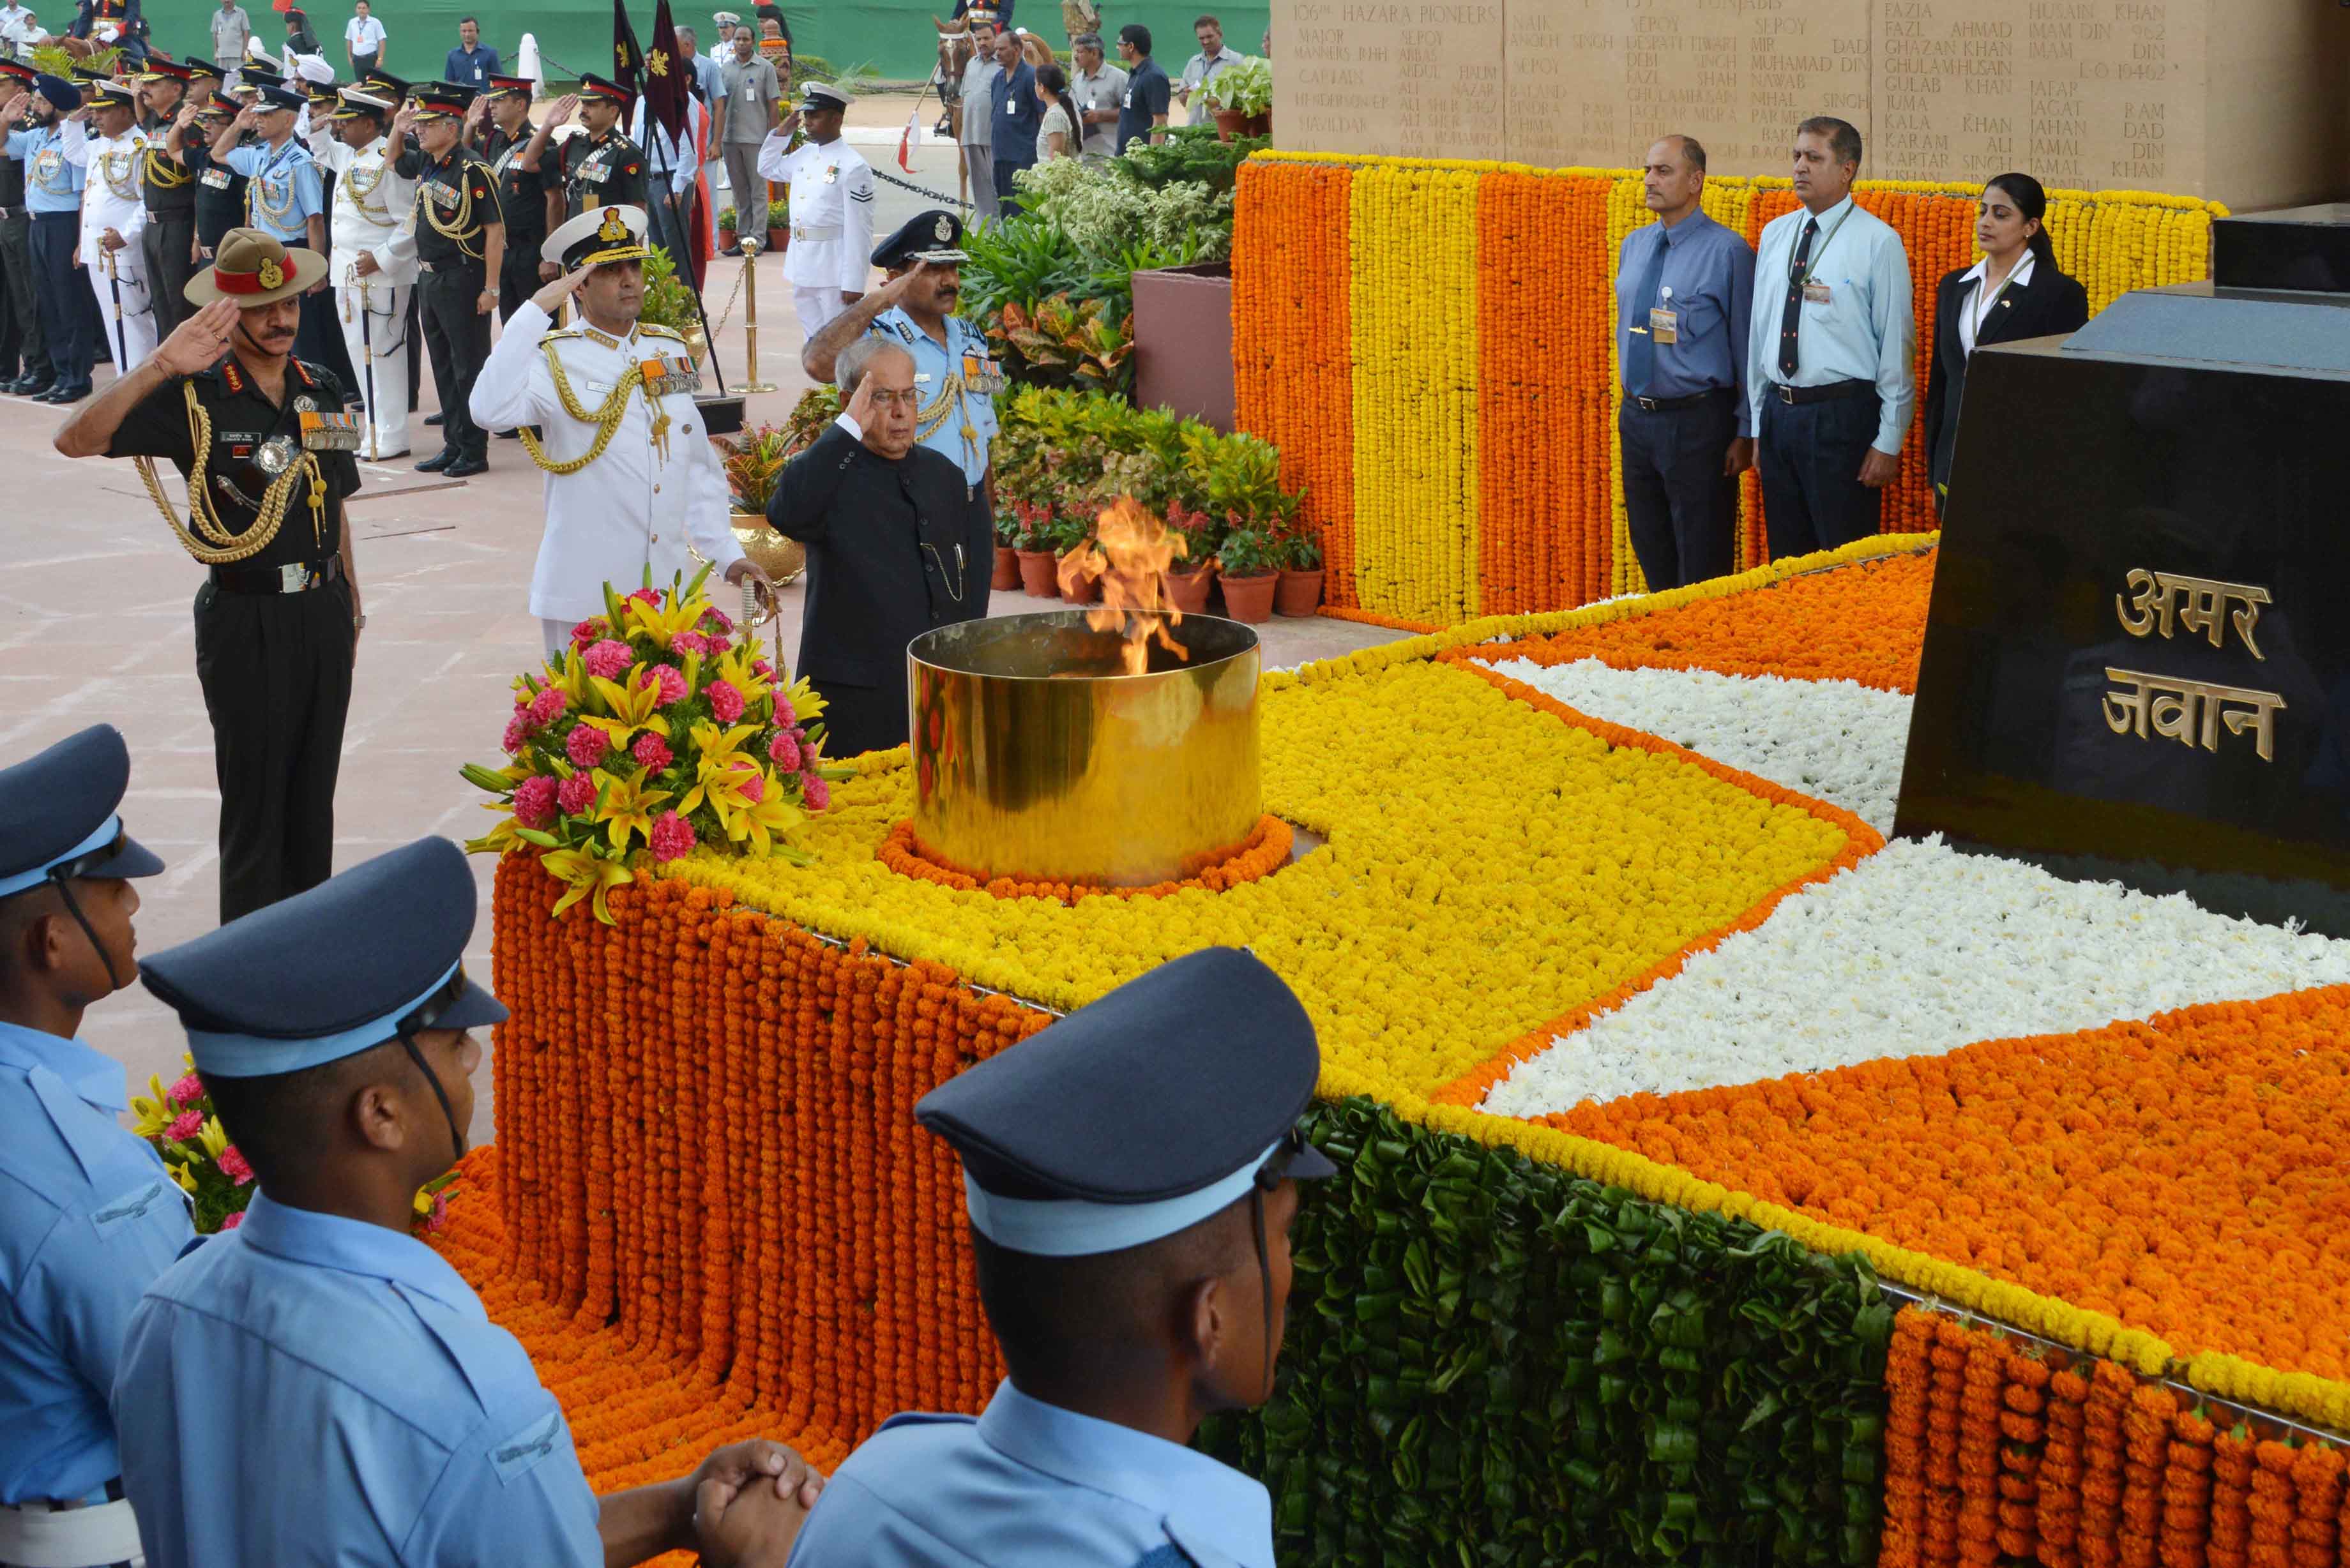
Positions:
{"x": 276, "y": 674}
{"x": 320, "y": 340}
{"x": 1809, "y": 455}
{"x": 459, "y": 342}
{"x": 24, "y": 347}
{"x": 1007, "y": 199}
{"x": 1679, "y": 507}
{"x": 165, "y": 245}
{"x": 861, "y": 718}
{"x": 518, "y": 276}
{"x": 65, "y": 299}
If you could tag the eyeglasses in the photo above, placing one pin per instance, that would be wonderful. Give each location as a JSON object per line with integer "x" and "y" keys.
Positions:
{"x": 910, "y": 400}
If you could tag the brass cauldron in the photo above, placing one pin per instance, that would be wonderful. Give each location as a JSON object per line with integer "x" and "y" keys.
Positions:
{"x": 781, "y": 558}
{"x": 1035, "y": 755}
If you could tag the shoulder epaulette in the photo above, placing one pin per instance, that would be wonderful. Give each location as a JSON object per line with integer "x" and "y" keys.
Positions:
{"x": 553, "y": 333}
{"x": 650, "y": 331}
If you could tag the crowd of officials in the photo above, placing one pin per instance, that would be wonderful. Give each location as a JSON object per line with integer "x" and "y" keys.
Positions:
{"x": 1798, "y": 360}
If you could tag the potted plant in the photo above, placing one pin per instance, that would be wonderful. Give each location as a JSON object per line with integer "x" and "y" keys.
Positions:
{"x": 754, "y": 463}
{"x": 1299, "y": 591}
{"x": 1033, "y": 548}
{"x": 779, "y": 219}
{"x": 1077, "y": 567}
{"x": 1240, "y": 95}
{"x": 1007, "y": 553}
{"x": 1248, "y": 565}
{"x": 726, "y": 228}
{"x": 669, "y": 302}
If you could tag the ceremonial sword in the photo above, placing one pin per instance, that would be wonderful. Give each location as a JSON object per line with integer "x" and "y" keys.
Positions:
{"x": 367, "y": 355}
{"x": 114, "y": 281}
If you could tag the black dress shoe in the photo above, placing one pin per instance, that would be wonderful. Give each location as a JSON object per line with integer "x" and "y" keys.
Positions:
{"x": 510, "y": 435}
{"x": 435, "y": 465}
{"x": 30, "y": 386}
{"x": 433, "y": 419}
{"x": 735, "y": 252}
{"x": 63, "y": 395}
{"x": 466, "y": 467}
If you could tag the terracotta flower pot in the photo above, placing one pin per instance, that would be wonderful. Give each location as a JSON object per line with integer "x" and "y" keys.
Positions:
{"x": 1300, "y": 593}
{"x": 1007, "y": 568}
{"x": 778, "y": 238}
{"x": 1229, "y": 122}
{"x": 1250, "y": 598}
{"x": 1037, "y": 574}
{"x": 1188, "y": 591}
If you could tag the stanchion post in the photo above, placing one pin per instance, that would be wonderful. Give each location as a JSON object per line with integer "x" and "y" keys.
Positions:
{"x": 750, "y": 316}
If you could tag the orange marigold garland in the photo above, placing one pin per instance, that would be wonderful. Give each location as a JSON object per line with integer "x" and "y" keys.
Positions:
{"x": 1907, "y": 1369}
{"x": 1264, "y": 851}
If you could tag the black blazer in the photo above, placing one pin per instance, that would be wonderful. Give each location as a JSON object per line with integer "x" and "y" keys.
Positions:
{"x": 894, "y": 548}
{"x": 2051, "y": 302}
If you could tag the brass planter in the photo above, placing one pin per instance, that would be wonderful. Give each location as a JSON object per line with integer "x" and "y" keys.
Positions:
{"x": 1035, "y": 756}
{"x": 781, "y": 558}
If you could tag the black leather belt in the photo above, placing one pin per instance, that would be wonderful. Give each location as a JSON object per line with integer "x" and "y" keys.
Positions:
{"x": 1667, "y": 405}
{"x": 1826, "y": 394}
{"x": 294, "y": 578}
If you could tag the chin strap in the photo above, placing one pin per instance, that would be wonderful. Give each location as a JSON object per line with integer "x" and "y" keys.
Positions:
{"x": 1265, "y": 1284}
{"x": 456, "y": 1134}
{"x": 73, "y": 907}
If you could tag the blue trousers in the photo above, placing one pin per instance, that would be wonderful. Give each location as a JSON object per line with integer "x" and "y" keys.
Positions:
{"x": 1681, "y": 509}
{"x": 1809, "y": 456}
{"x": 64, "y": 321}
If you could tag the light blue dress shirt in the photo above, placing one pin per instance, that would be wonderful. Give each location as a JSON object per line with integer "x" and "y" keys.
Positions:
{"x": 88, "y": 1217}
{"x": 53, "y": 175}
{"x": 1032, "y": 1484}
{"x": 681, "y": 157}
{"x": 1709, "y": 286}
{"x": 285, "y": 192}
{"x": 932, "y": 366}
{"x": 309, "y": 1389}
{"x": 1867, "y": 329}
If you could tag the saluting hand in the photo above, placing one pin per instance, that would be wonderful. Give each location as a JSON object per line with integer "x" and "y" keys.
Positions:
{"x": 561, "y": 113}
{"x": 13, "y": 110}
{"x": 196, "y": 344}
{"x": 564, "y": 286}
{"x": 860, "y": 404}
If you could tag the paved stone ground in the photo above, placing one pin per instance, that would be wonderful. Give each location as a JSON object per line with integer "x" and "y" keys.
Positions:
{"x": 95, "y": 625}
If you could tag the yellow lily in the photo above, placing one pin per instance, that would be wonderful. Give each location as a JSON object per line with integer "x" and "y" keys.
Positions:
{"x": 213, "y": 1136}
{"x": 807, "y": 706}
{"x": 626, "y": 805}
{"x": 585, "y": 872}
{"x": 773, "y": 812}
{"x": 734, "y": 667}
{"x": 720, "y": 758}
{"x": 154, "y": 1115}
{"x": 506, "y": 836}
{"x": 424, "y": 1204}
{"x": 663, "y": 624}
{"x": 728, "y": 794}
{"x": 570, "y": 677}
{"x": 633, "y": 706}
{"x": 180, "y": 1174}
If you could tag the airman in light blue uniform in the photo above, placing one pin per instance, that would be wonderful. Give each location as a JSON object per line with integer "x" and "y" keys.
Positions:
{"x": 1160, "y": 1123}
{"x": 317, "y": 1386}
{"x": 88, "y": 1216}
{"x": 958, "y": 380}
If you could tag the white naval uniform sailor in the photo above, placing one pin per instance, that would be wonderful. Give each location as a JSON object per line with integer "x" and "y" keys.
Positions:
{"x": 113, "y": 196}
{"x": 371, "y": 212}
{"x": 832, "y": 223}
{"x": 654, "y": 497}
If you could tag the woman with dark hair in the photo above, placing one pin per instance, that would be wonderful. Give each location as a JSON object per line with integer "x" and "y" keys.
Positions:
{"x": 1057, "y": 134}
{"x": 2016, "y": 291}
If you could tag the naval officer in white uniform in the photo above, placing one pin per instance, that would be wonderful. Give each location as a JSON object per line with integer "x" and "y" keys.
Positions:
{"x": 632, "y": 482}
{"x": 374, "y": 262}
{"x": 832, "y": 210}
{"x": 113, "y": 216}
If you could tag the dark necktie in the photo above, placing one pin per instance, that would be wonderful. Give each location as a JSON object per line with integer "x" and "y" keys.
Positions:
{"x": 1642, "y": 362}
{"x": 1792, "y": 317}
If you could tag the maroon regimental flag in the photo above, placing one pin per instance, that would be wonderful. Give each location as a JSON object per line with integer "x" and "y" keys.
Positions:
{"x": 627, "y": 57}
{"x": 667, "y": 78}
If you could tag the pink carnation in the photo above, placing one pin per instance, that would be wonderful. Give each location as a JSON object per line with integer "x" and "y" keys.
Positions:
{"x": 575, "y": 795}
{"x": 687, "y": 642}
{"x": 233, "y": 1220}
{"x": 672, "y": 683}
{"x": 717, "y": 620}
{"x": 534, "y": 802}
{"x": 648, "y": 596}
{"x": 547, "y": 707}
{"x": 518, "y": 732}
{"x": 652, "y": 751}
{"x": 184, "y": 1125}
{"x": 607, "y": 658}
{"x": 586, "y": 747}
{"x": 763, "y": 670}
{"x": 187, "y": 1091}
{"x": 233, "y": 1166}
{"x": 725, "y": 701}
{"x": 784, "y": 751}
{"x": 753, "y": 787}
{"x": 440, "y": 1215}
{"x": 673, "y": 835}
{"x": 814, "y": 793}
{"x": 588, "y": 631}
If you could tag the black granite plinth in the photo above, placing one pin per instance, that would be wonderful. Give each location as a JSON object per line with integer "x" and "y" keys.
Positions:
{"x": 2138, "y": 655}
{"x": 2303, "y": 248}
